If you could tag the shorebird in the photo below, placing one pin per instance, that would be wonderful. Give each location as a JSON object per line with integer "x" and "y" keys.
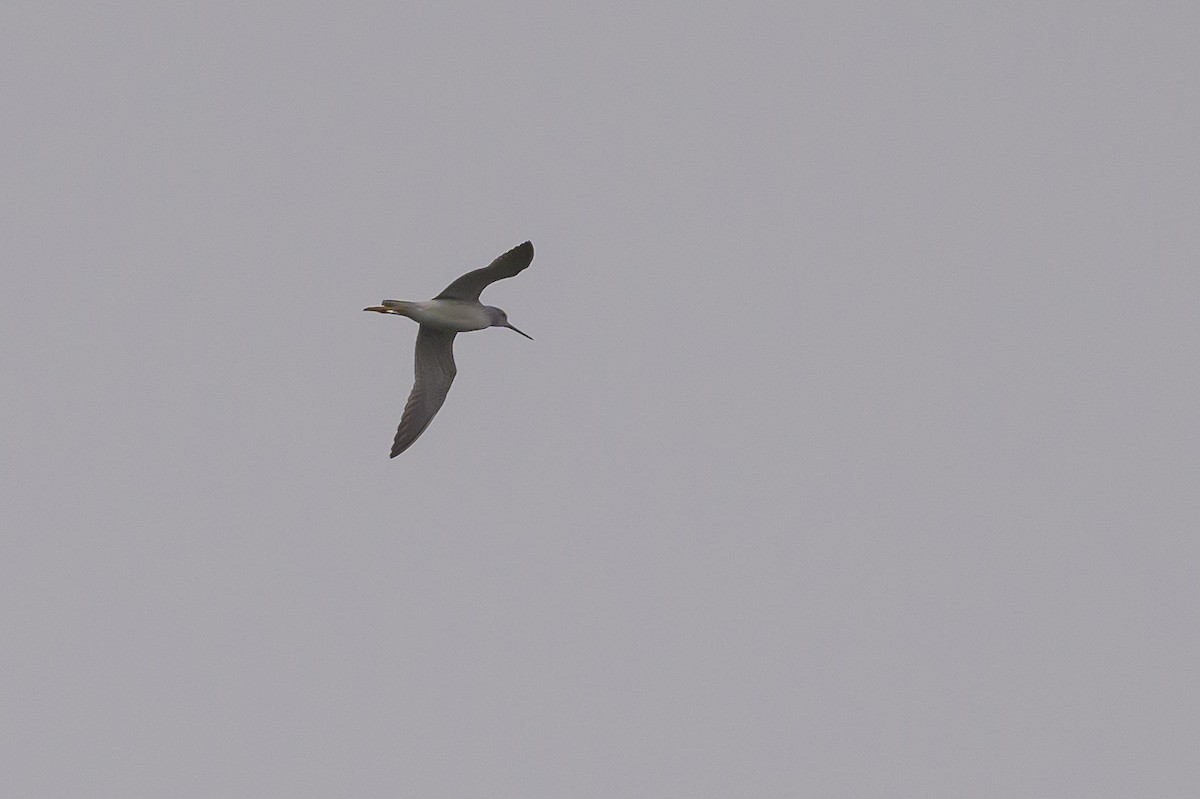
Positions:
{"x": 456, "y": 310}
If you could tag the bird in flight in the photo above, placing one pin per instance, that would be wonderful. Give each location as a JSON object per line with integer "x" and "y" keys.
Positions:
{"x": 456, "y": 310}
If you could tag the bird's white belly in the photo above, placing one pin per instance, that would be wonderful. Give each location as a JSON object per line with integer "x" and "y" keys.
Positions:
{"x": 450, "y": 315}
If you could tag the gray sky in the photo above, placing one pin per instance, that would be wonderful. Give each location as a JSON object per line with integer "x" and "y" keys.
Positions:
{"x": 856, "y": 455}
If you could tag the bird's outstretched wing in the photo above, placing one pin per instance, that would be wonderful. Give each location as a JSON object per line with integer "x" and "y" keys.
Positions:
{"x": 435, "y": 370}
{"x": 469, "y": 286}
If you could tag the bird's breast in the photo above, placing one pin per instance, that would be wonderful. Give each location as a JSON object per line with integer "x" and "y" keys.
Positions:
{"x": 450, "y": 315}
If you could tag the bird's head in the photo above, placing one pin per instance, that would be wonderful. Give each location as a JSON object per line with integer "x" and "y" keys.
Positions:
{"x": 500, "y": 319}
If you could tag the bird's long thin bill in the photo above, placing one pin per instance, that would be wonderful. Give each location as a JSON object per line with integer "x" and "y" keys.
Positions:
{"x": 526, "y": 335}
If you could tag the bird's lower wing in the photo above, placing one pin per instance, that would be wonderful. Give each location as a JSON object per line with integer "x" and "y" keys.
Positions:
{"x": 435, "y": 370}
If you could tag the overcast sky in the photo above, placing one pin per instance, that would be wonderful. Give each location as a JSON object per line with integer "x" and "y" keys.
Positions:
{"x": 856, "y": 455}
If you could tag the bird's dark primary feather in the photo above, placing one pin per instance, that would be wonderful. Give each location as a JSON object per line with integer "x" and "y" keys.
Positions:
{"x": 470, "y": 285}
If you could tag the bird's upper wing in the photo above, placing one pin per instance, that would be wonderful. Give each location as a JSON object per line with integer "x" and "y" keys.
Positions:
{"x": 469, "y": 286}
{"x": 435, "y": 370}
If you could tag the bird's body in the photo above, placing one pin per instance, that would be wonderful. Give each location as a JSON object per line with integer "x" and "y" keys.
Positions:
{"x": 457, "y": 315}
{"x": 456, "y": 310}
